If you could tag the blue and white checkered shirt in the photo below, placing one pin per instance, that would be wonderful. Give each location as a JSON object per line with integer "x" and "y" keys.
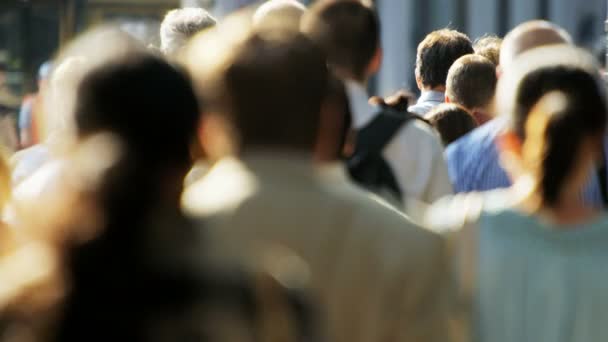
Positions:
{"x": 473, "y": 163}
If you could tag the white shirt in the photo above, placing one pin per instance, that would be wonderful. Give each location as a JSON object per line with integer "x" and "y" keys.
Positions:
{"x": 376, "y": 275}
{"x": 415, "y": 154}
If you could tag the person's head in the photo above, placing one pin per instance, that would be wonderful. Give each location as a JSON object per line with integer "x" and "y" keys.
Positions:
{"x": 559, "y": 142}
{"x": 71, "y": 65}
{"x": 279, "y": 13}
{"x": 471, "y": 83}
{"x": 488, "y": 46}
{"x": 530, "y": 35}
{"x": 179, "y": 25}
{"x": 269, "y": 84}
{"x": 451, "y": 121}
{"x": 154, "y": 121}
{"x": 349, "y": 33}
{"x": 436, "y": 54}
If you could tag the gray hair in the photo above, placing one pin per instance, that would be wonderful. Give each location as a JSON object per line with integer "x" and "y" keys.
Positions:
{"x": 180, "y": 25}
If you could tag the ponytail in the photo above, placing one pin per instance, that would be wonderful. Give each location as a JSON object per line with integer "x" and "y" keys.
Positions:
{"x": 556, "y": 128}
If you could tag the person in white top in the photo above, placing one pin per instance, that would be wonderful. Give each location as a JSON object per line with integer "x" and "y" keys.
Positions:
{"x": 375, "y": 275}
{"x": 352, "y": 44}
{"x": 434, "y": 57}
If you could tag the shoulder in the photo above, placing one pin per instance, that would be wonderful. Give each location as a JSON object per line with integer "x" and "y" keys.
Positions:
{"x": 454, "y": 212}
{"x": 379, "y": 223}
{"x": 418, "y": 134}
{"x": 470, "y": 148}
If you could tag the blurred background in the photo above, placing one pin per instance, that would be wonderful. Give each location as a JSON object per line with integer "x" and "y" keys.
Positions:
{"x": 31, "y": 31}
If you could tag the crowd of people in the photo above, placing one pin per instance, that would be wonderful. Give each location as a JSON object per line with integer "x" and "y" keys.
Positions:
{"x": 240, "y": 183}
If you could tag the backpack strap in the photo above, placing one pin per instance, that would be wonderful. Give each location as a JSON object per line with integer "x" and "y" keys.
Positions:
{"x": 380, "y": 131}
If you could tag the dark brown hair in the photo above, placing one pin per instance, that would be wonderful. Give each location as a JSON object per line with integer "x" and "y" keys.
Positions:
{"x": 471, "y": 82}
{"x": 436, "y": 54}
{"x": 451, "y": 121}
{"x": 348, "y": 31}
{"x": 275, "y": 86}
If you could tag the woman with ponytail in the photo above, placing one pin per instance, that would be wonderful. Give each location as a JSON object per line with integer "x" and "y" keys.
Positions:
{"x": 530, "y": 262}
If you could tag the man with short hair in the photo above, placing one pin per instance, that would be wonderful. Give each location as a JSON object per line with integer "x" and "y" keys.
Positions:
{"x": 434, "y": 57}
{"x": 349, "y": 33}
{"x": 471, "y": 83}
{"x": 179, "y": 25}
{"x": 473, "y": 160}
{"x": 376, "y": 276}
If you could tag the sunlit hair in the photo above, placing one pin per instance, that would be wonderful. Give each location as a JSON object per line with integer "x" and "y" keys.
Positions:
{"x": 279, "y": 14}
{"x": 488, "y": 46}
{"x": 558, "y": 125}
{"x": 539, "y": 71}
{"x": 530, "y": 35}
{"x": 86, "y": 52}
{"x": 179, "y": 25}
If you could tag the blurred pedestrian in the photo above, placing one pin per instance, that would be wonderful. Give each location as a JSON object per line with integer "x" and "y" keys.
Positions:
{"x": 398, "y": 158}
{"x": 434, "y": 57}
{"x": 471, "y": 83}
{"x": 530, "y": 260}
{"x": 272, "y": 86}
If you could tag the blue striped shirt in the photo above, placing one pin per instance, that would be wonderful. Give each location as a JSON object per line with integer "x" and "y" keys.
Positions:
{"x": 473, "y": 163}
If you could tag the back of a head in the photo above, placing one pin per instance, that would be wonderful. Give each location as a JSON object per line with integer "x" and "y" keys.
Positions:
{"x": 488, "y": 46}
{"x": 542, "y": 70}
{"x": 147, "y": 103}
{"x": 348, "y": 31}
{"x": 280, "y": 14}
{"x": 564, "y": 134}
{"x": 436, "y": 54}
{"x": 530, "y": 35}
{"x": 471, "y": 82}
{"x": 451, "y": 121}
{"x": 270, "y": 84}
{"x": 179, "y": 25}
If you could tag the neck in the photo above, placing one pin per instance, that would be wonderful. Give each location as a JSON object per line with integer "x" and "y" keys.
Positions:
{"x": 569, "y": 209}
{"x": 481, "y": 116}
{"x": 439, "y": 88}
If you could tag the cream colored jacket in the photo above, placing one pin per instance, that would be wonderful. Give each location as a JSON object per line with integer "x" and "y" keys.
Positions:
{"x": 376, "y": 275}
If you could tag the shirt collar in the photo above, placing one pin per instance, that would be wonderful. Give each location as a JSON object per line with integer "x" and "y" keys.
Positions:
{"x": 431, "y": 96}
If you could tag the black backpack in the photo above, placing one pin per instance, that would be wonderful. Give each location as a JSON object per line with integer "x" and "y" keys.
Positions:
{"x": 366, "y": 166}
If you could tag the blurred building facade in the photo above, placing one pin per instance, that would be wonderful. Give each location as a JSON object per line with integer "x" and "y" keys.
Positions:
{"x": 32, "y": 30}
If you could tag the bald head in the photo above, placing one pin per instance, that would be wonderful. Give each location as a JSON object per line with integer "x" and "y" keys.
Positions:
{"x": 530, "y": 35}
{"x": 286, "y": 13}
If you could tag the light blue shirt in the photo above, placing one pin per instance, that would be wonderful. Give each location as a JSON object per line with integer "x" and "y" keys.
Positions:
{"x": 473, "y": 163}
{"x": 537, "y": 283}
{"x": 427, "y": 101}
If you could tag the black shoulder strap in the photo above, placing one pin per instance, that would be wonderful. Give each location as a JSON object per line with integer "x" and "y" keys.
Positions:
{"x": 602, "y": 173}
{"x": 381, "y": 130}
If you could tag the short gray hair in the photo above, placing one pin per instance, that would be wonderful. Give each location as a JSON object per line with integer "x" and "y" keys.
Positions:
{"x": 180, "y": 25}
